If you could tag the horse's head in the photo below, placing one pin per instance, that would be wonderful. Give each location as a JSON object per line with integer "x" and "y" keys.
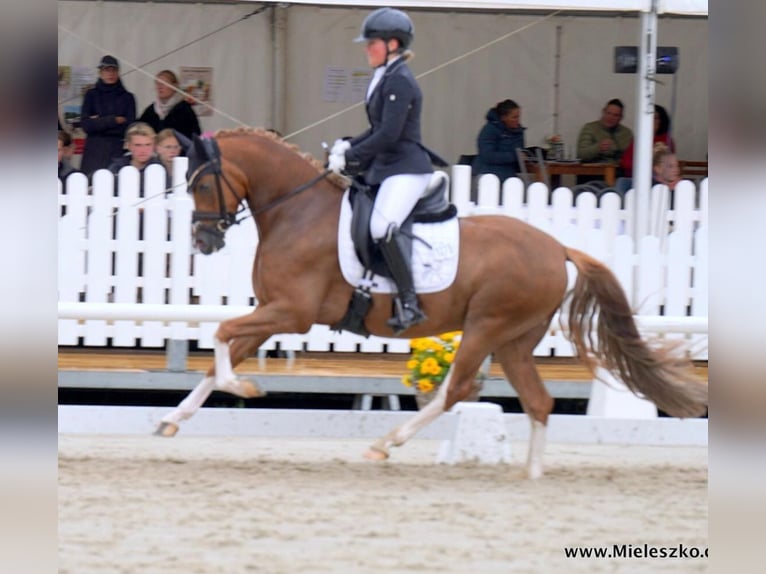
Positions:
{"x": 218, "y": 190}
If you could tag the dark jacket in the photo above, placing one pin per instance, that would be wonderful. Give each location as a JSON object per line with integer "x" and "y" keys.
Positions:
{"x": 119, "y": 162}
{"x": 497, "y": 146}
{"x": 105, "y": 135}
{"x": 181, "y": 118}
{"x": 392, "y": 145}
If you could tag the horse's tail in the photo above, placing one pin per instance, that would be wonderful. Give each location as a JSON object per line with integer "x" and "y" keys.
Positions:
{"x": 658, "y": 374}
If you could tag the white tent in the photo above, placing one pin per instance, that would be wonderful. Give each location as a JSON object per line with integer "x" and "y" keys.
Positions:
{"x": 682, "y": 7}
{"x": 270, "y": 72}
{"x": 649, "y": 10}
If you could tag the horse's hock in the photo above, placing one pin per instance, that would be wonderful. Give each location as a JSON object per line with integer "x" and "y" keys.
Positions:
{"x": 480, "y": 436}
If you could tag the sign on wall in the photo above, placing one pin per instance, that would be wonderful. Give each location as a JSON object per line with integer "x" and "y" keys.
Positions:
{"x": 347, "y": 85}
{"x": 198, "y": 82}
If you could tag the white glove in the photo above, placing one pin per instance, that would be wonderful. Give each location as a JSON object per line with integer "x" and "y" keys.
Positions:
{"x": 336, "y": 162}
{"x": 340, "y": 147}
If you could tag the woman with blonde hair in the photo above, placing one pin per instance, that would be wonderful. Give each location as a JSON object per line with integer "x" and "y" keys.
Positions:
{"x": 390, "y": 153}
{"x": 171, "y": 108}
{"x": 665, "y": 168}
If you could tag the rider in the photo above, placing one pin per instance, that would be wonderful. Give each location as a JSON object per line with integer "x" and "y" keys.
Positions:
{"x": 390, "y": 152}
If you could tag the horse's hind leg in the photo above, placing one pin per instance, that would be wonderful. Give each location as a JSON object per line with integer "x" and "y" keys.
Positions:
{"x": 241, "y": 349}
{"x": 520, "y": 369}
{"x": 457, "y": 385}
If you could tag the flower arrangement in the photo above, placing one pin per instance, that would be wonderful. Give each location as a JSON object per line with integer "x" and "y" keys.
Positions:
{"x": 431, "y": 359}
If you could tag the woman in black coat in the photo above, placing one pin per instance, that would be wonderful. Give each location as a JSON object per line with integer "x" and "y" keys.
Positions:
{"x": 170, "y": 109}
{"x": 107, "y": 111}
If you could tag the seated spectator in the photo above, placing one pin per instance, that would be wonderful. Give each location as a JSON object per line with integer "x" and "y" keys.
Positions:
{"x": 65, "y": 153}
{"x": 498, "y": 141}
{"x": 665, "y": 168}
{"x": 139, "y": 143}
{"x": 168, "y": 145}
{"x": 171, "y": 108}
{"x": 661, "y": 135}
{"x": 605, "y": 139}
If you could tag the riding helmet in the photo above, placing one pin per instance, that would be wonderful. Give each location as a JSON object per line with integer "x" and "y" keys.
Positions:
{"x": 387, "y": 23}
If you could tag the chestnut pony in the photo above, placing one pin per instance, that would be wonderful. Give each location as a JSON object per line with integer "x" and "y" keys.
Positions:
{"x": 511, "y": 280}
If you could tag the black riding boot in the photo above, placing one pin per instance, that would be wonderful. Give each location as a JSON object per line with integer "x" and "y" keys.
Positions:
{"x": 407, "y": 313}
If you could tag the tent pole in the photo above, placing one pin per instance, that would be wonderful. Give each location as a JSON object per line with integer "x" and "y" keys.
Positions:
{"x": 644, "y": 124}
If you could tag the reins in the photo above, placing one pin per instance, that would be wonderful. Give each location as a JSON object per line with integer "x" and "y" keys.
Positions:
{"x": 226, "y": 219}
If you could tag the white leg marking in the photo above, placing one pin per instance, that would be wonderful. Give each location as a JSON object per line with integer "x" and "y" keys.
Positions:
{"x": 536, "y": 448}
{"x": 193, "y": 401}
{"x": 430, "y": 412}
{"x": 224, "y": 373}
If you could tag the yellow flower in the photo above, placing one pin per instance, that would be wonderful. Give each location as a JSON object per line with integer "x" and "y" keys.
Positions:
{"x": 428, "y": 366}
{"x": 431, "y": 359}
{"x": 425, "y": 385}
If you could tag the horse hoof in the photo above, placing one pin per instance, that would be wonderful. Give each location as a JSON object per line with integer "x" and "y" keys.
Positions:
{"x": 534, "y": 473}
{"x": 243, "y": 389}
{"x": 375, "y": 454}
{"x": 251, "y": 390}
{"x": 166, "y": 429}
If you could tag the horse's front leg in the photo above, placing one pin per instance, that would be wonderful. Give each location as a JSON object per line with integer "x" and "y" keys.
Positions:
{"x": 259, "y": 325}
{"x": 241, "y": 349}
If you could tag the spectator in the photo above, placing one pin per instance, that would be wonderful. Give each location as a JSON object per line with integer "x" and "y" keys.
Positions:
{"x": 65, "y": 153}
{"x": 170, "y": 109}
{"x": 498, "y": 141}
{"x": 139, "y": 142}
{"x": 661, "y": 135}
{"x": 168, "y": 145}
{"x": 605, "y": 139}
{"x": 107, "y": 110}
{"x": 665, "y": 168}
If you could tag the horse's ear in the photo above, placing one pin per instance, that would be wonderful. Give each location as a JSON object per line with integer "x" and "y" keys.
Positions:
{"x": 184, "y": 142}
{"x": 200, "y": 149}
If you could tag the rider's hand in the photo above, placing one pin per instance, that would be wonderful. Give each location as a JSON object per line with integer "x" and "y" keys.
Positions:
{"x": 340, "y": 147}
{"x": 336, "y": 162}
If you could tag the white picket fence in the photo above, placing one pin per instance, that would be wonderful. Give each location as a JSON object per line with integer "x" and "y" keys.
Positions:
{"x": 127, "y": 250}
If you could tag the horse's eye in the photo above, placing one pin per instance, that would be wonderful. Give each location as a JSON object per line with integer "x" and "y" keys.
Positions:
{"x": 204, "y": 188}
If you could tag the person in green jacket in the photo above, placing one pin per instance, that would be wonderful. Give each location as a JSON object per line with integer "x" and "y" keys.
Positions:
{"x": 605, "y": 139}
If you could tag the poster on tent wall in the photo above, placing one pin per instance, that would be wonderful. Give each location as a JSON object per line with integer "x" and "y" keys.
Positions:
{"x": 348, "y": 85}
{"x": 198, "y": 82}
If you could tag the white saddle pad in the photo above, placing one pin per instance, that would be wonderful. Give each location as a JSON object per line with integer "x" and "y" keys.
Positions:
{"x": 434, "y": 263}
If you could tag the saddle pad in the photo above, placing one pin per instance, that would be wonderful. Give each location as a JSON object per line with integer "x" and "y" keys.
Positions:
{"x": 434, "y": 265}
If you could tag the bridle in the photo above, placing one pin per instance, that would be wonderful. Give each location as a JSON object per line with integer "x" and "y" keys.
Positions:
{"x": 225, "y": 219}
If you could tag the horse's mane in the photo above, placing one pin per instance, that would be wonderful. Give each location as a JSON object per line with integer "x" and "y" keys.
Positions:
{"x": 338, "y": 180}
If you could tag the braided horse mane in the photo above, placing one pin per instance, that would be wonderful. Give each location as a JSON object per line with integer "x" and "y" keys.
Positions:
{"x": 339, "y": 181}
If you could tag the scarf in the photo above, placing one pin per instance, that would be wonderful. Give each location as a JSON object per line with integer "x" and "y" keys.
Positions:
{"x": 163, "y": 109}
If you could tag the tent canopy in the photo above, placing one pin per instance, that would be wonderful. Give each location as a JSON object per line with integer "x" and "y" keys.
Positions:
{"x": 681, "y": 7}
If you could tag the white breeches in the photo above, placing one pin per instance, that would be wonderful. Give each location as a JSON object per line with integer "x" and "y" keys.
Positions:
{"x": 396, "y": 197}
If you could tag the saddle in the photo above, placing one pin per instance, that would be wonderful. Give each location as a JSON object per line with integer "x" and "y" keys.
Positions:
{"x": 433, "y": 207}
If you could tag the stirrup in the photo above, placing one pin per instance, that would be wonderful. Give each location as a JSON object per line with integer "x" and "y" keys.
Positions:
{"x": 405, "y": 317}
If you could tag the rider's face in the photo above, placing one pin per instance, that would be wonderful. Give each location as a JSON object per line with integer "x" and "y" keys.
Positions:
{"x": 376, "y": 52}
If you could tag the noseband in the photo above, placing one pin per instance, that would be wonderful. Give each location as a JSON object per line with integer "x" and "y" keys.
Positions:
{"x": 223, "y": 218}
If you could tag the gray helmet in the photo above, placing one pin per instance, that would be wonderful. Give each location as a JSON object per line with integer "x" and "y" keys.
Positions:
{"x": 387, "y": 23}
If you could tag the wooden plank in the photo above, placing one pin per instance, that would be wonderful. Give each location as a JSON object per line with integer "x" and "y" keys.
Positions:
{"x": 306, "y": 364}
